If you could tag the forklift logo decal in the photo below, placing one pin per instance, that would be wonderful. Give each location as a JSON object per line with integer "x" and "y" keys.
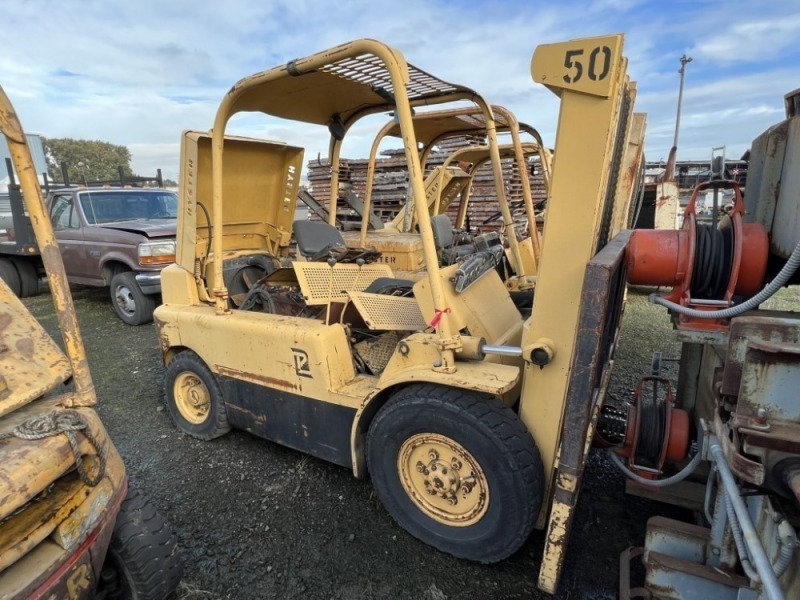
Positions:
{"x": 301, "y": 365}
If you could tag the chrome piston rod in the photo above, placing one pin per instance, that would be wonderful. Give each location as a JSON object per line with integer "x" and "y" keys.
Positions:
{"x": 501, "y": 350}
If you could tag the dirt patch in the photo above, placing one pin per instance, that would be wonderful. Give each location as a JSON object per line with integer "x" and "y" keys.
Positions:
{"x": 260, "y": 521}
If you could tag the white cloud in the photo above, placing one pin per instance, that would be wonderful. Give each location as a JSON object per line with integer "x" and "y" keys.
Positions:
{"x": 750, "y": 41}
{"x": 138, "y": 73}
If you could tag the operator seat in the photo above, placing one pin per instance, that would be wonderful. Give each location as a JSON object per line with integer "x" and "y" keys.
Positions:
{"x": 445, "y": 240}
{"x": 315, "y": 239}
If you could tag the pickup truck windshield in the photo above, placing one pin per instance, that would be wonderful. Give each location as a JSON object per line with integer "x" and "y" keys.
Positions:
{"x": 127, "y": 205}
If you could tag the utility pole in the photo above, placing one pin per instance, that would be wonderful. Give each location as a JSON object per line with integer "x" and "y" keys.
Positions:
{"x": 685, "y": 60}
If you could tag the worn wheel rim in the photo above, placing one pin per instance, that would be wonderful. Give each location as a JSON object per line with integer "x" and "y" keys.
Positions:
{"x": 192, "y": 397}
{"x": 125, "y": 300}
{"x": 443, "y": 479}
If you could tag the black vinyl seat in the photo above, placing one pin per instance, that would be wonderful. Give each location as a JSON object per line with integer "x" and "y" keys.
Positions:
{"x": 445, "y": 240}
{"x": 391, "y": 286}
{"x": 315, "y": 239}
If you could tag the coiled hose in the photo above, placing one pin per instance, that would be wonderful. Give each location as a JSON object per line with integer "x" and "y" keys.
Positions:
{"x": 776, "y": 284}
{"x": 659, "y": 483}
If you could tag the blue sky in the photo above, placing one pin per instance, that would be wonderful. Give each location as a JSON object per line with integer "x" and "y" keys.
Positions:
{"x": 138, "y": 73}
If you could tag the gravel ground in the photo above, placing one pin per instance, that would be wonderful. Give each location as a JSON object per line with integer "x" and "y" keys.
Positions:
{"x": 260, "y": 521}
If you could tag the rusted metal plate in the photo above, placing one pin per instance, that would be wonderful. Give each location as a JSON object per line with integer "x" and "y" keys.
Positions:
{"x": 602, "y": 302}
{"x": 786, "y": 222}
{"x": 30, "y": 362}
{"x": 51, "y": 572}
{"x": 770, "y": 380}
{"x": 669, "y": 577}
{"x": 764, "y": 175}
{"x": 25, "y": 531}
{"x": 746, "y": 328}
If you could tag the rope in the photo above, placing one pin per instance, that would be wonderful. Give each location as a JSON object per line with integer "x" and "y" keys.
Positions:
{"x": 68, "y": 422}
{"x": 438, "y": 314}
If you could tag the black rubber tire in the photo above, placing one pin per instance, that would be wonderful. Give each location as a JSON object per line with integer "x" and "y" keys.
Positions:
{"x": 494, "y": 435}
{"x": 9, "y": 274}
{"x": 132, "y": 306}
{"x": 216, "y": 423}
{"x": 28, "y": 278}
{"x": 144, "y": 551}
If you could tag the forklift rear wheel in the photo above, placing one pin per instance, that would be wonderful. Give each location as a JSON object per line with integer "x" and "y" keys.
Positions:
{"x": 133, "y": 306}
{"x": 194, "y": 397}
{"x": 456, "y": 469}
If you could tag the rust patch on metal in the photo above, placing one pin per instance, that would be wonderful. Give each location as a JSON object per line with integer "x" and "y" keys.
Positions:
{"x": 163, "y": 338}
{"x": 773, "y": 443}
{"x": 25, "y": 347}
{"x": 254, "y": 378}
{"x": 664, "y": 562}
{"x": 259, "y": 418}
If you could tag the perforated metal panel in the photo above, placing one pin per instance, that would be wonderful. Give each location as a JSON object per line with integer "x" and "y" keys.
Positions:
{"x": 389, "y": 313}
{"x": 321, "y": 284}
{"x": 368, "y": 69}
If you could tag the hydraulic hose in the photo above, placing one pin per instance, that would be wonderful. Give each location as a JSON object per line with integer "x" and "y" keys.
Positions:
{"x": 712, "y": 474}
{"x": 736, "y": 530}
{"x": 659, "y": 483}
{"x": 753, "y": 543}
{"x": 776, "y": 284}
{"x": 788, "y": 538}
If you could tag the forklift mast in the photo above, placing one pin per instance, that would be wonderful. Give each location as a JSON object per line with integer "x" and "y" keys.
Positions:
{"x": 570, "y": 336}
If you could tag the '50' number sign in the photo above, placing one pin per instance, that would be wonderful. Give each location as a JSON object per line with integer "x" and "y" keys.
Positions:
{"x": 597, "y": 69}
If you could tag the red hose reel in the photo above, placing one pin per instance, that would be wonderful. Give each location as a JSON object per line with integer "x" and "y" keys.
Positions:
{"x": 705, "y": 265}
{"x": 650, "y": 432}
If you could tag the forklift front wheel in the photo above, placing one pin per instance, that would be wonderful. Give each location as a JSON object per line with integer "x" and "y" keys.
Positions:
{"x": 456, "y": 469}
{"x": 194, "y": 398}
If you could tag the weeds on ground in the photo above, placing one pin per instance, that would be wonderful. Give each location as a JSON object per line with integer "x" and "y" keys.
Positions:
{"x": 187, "y": 591}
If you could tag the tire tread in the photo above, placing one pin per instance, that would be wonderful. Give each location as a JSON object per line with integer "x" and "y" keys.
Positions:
{"x": 504, "y": 425}
{"x": 146, "y": 546}
{"x": 188, "y": 360}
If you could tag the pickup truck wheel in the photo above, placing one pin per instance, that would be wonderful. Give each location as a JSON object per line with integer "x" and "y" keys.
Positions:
{"x": 456, "y": 469}
{"x": 144, "y": 559}
{"x": 133, "y": 306}
{"x": 28, "y": 278}
{"x": 194, "y": 397}
{"x": 9, "y": 274}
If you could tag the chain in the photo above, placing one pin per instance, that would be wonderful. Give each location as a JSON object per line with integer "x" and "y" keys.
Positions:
{"x": 68, "y": 422}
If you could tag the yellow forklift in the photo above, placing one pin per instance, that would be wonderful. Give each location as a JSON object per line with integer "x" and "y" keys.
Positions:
{"x": 70, "y": 526}
{"x": 472, "y": 421}
{"x": 452, "y": 182}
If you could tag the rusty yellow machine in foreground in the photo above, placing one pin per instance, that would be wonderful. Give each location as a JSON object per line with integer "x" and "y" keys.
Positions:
{"x": 69, "y": 525}
{"x": 472, "y": 420}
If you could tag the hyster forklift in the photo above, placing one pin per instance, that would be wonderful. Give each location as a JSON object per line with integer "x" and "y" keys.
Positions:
{"x": 472, "y": 421}
{"x": 70, "y": 527}
{"x": 453, "y": 181}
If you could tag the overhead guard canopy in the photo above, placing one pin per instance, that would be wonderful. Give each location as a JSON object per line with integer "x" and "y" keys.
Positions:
{"x": 461, "y": 121}
{"x": 347, "y": 81}
{"x": 480, "y": 154}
